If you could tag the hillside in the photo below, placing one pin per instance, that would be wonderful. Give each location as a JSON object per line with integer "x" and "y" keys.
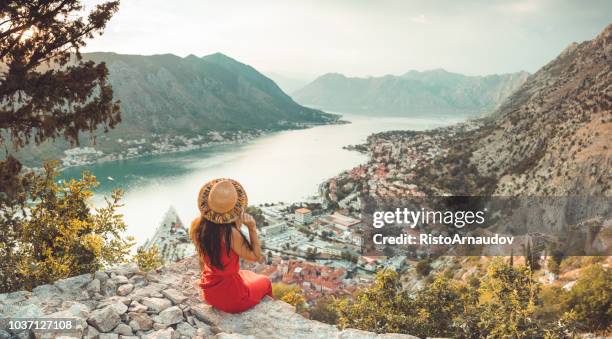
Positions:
{"x": 552, "y": 136}
{"x": 414, "y": 93}
{"x": 169, "y": 96}
{"x": 549, "y": 139}
{"x": 126, "y": 303}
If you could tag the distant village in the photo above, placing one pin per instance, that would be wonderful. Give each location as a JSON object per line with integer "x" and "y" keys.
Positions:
{"x": 156, "y": 144}
{"x": 162, "y": 144}
{"x": 394, "y": 156}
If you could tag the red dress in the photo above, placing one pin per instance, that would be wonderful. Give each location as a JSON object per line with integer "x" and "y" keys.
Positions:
{"x": 232, "y": 290}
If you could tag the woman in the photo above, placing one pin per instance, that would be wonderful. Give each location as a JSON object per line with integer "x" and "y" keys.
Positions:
{"x": 220, "y": 244}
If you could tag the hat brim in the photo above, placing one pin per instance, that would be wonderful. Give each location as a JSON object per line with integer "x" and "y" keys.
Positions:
{"x": 227, "y": 217}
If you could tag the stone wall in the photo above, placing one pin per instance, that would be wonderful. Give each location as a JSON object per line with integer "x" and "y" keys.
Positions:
{"x": 125, "y": 303}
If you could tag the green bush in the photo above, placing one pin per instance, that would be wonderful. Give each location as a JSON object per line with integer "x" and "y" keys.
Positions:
{"x": 58, "y": 235}
{"x": 591, "y": 298}
{"x": 148, "y": 260}
{"x": 423, "y": 267}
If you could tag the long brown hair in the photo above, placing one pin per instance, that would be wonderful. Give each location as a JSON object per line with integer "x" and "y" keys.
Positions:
{"x": 209, "y": 237}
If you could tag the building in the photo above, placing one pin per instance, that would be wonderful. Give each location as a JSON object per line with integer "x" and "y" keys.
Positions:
{"x": 274, "y": 229}
{"x": 303, "y": 216}
{"x": 341, "y": 222}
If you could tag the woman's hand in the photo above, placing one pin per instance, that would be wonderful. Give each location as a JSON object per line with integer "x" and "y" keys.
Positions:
{"x": 248, "y": 220}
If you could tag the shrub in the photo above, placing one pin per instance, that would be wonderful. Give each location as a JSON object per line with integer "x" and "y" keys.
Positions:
{"x": 290, "y": 294}
{"x": 58, "y": 235}
{"x": 324, "y": 310}
{"x": 279, "y": 290}
{"x": 508, "y": 300}
{"x": 423, "y": 267}
{"x": 148, "y": 260}
{"x": 591, "y": 298}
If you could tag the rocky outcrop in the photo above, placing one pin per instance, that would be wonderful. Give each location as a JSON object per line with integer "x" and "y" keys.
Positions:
{"x": 161, "y": 304}
{"x": 171, "y": 238}
{"x": 550, "y": 138}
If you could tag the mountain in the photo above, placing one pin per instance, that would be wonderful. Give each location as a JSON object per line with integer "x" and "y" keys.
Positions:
{"x": 166, "y": 97}
{"x": 414, "y": 93}
{"x": 169, "y": 94}
{"x": 552, "y": 136}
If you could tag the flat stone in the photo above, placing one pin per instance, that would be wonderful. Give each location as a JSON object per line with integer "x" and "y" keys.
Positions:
{"x": 108, "y": 336}
{"x": 102, "y": 276}
{"x": 110, "y": 287}
{"x": 201, "y": 333}
{"x": 125, "y": 289}
{"x": 175, "y": 296}
{"x": 94, "y": 286}
{"x": 120, "y": 279}
{"x": 14, "y": 297}
{"x": 171, "y": 315}
{"x": 114, "y": 300}
{"x": 76, "y": 311}
{"x": 185, "y": 329}
{"x": 72, "y": 309}
{"x": 147, "y": 290}
{"x": 27, "y": 311}
{"x": 160, "y": 326}
{"x": 138, "y": 280}
{"x": 156, "y": 304}
{"x": 271, "y": 319}
{"x": 46, "y": 291}
{"x": 161, "y": 334}
{"x": 73, "y": 284}
{"x": 205, "y": 313}
{"x": 90, "y": 332}
{"x": 127, "y": 270}
{"x": 135, "y": 306}
{"x": 123, "y": 329}
{"x": 119, "y": 307}
{"x": 140, "y": 321}
{"x": 104, "y": 320}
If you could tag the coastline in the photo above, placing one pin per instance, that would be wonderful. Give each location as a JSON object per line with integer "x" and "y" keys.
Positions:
{"x": 89, "y": 154}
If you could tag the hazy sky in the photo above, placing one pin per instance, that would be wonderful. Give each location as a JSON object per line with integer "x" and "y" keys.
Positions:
{"x": 306, "y": 38}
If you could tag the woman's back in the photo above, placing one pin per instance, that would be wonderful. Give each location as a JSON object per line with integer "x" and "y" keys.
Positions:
{"x": 220, "y": 245}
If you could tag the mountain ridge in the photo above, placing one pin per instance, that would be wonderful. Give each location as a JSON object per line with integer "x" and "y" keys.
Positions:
{"x": 413, "y": 93}
{"x": 218, "y": 90}
{"x": 166, "y": 97}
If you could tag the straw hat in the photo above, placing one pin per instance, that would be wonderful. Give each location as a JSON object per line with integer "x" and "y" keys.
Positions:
{"x": 222, "y": 200}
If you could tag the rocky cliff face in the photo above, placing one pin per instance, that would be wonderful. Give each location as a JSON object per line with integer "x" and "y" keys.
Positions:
{"x": 551, "y": 137}
{"x": 125, "y": 303}
{"x": 171, "y": 238}
{"x": 412, "y": 94}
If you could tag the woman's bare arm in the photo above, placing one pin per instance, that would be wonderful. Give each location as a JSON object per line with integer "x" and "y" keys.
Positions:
{"x": 238, "y": 242}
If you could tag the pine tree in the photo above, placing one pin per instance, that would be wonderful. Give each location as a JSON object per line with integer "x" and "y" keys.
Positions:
{"x": 46, "y": 92}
